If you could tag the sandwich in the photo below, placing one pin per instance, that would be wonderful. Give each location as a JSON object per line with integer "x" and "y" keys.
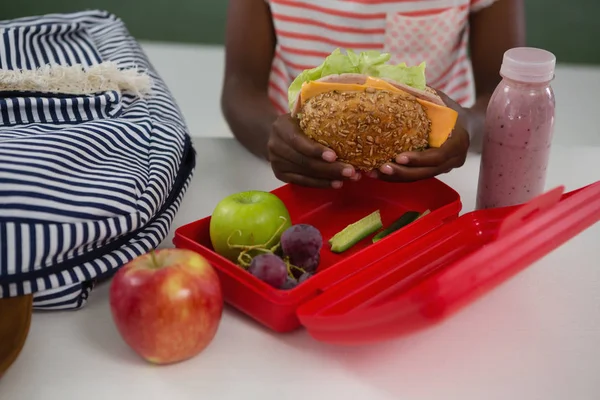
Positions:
{"x": 369, "y": 111}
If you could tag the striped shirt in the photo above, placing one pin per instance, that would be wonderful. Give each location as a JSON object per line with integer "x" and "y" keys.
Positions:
{"x": 412, "y": 31}
{"x": 87, "y": 182}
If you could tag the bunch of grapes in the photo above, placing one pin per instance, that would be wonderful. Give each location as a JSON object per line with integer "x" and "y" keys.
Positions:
{"x": 300, "y": 247}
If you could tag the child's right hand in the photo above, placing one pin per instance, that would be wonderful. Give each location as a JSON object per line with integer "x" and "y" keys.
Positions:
{"x": 297, "y": 159}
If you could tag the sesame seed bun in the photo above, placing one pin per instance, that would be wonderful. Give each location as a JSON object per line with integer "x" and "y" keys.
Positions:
{"x": 368, "y": 128}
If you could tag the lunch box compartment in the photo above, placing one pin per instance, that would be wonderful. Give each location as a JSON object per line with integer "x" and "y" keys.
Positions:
{"x": 329, "y": 211}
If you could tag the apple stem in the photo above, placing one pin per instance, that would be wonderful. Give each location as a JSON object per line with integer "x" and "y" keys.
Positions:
{"x": 154, "y": 260}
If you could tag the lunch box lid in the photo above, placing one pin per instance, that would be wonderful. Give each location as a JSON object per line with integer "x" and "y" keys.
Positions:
{"x": 422, "y": 283}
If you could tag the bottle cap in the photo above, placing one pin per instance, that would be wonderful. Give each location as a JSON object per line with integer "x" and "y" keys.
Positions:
{"x": 528, "y": 64}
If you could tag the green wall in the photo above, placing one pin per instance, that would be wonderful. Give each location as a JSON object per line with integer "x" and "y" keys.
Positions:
{"x": 569, "y": 28}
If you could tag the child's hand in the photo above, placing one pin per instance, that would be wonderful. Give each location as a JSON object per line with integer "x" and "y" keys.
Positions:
{"x": 296, "y": 159}
{"x": 417, "y": 165}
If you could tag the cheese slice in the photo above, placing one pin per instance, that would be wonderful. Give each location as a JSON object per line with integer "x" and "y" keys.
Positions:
{"x": 442, "y": 118}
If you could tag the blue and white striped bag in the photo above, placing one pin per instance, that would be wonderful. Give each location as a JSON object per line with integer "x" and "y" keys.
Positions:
{"x": 92, "y": 169}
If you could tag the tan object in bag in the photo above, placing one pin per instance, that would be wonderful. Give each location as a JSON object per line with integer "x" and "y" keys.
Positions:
{"x": 15, "y": 319}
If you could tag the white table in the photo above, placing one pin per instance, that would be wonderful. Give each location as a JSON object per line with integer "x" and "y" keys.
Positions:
{"x": 535, "y": 337}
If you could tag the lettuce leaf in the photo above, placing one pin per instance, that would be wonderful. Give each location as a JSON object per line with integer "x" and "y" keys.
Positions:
{"x": 372, "y": 63}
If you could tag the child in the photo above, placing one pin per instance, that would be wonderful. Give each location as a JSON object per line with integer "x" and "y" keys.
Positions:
{"x": 269, "y": 42}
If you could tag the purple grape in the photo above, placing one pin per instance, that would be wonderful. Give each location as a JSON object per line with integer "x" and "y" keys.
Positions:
{"x": 302, "y": 244}
{"x": 310, "y": 264}
{"x": 290, "y": 283}
{"x": 304, "y": 277}
{"x": 270, "y": 269}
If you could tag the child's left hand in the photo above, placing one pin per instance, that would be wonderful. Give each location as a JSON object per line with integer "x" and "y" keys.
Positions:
{"x": 417, "y": 165}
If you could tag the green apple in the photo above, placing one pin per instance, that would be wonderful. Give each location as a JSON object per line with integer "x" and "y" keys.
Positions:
{"x": 247, "y": 218}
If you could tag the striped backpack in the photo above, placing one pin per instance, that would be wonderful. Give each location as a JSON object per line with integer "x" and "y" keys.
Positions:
{"x": 95, "y": 156}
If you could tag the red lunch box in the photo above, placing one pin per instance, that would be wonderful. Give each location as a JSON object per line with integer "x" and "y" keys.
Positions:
{"x": 410, "y": 279}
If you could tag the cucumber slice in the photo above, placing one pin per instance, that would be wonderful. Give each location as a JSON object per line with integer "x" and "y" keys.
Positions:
{"x": 404, "y": 220}
{"x": 355, "y": 232}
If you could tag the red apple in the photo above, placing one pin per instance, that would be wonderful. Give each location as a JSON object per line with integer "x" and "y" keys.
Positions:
{"x": 167, "y": 305}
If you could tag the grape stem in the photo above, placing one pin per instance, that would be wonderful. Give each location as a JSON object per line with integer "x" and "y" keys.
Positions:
{"x": 245, "y": 259}
{"x": 291, "y": 266}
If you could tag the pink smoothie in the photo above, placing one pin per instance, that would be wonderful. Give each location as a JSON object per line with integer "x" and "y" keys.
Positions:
{"x": 517, "y": 139}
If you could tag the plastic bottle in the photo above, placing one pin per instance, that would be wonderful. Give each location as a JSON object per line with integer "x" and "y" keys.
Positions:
{"x": 518, "y": 130}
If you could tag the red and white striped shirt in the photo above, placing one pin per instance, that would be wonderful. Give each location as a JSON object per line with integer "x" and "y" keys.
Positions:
{"x": 412, "y": 31}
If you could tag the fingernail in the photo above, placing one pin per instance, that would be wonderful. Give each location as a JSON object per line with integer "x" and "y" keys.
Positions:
{"x": 372, "y": 174}
{"x": 348, "y": 171}
{"x": 387, "y": 169}
{"x": 329, "y": 156}
{"x": 402, "y": 160}
{"x": 355, "y": 177}
{"x": 336, "y": 184}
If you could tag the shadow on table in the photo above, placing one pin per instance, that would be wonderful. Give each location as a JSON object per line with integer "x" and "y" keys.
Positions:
{"x": 443, "y": 355}
{"x": 100, "y": 331}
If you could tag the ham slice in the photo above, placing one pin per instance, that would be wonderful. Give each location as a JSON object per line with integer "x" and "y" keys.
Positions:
{"x": 427, "y": 95}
